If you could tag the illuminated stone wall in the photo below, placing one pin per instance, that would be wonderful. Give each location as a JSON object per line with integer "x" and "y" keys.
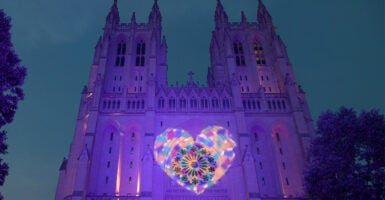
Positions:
{"x": 244, "y": 136}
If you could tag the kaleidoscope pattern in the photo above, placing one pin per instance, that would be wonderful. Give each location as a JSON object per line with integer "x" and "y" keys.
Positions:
{"x": 195, "y": 165}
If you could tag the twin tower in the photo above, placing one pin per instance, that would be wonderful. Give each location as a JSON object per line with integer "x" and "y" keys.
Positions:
{"x": 243, "y": 136}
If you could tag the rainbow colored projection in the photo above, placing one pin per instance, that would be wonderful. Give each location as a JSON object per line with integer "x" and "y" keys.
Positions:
{"x": 195, "y": 165}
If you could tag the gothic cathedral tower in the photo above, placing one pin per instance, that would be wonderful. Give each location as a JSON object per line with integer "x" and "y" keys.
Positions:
{"x": 251, "y": 93}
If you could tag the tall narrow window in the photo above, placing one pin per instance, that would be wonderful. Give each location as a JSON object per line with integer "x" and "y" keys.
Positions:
{"x": 277, "y": 137}
{"x": 133, "y": 136}
{"x": 283, "y": 104}
{"x": 279, "y": 105}
{"x": 171, "y": 103}
{"x": 140, "y": 52}
{"x": 239, "y": 55}
{"x": 121, "y": 51}
{"x": 130, "y": 180}
{"x": 161, "y": 103}
{"x": 111, "y": 136}
{"x": 259, "y": 54}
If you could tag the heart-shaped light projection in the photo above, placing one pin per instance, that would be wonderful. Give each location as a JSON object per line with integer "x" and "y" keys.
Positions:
{"x": 195, "y": 165}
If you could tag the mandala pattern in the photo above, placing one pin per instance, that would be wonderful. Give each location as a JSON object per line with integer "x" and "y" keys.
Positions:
{"x": 195, "y": 165}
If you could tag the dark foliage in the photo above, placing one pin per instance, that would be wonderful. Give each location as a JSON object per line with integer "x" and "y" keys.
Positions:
{"x": 11, "y": 78}
{"x": 347, "y": 158}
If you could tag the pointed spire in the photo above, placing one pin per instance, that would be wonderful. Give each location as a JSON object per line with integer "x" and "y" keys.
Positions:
{"x": 113, "y": 16}
{"x": 155, "y": 16}
{"x": 263, "y": 15}
{"x": 243, "y": 17}
{"x": 221, "y": 18}
{"x": 133, "y": 18}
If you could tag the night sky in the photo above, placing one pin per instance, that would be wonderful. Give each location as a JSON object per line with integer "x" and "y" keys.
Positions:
{"x": 336, "y": 48}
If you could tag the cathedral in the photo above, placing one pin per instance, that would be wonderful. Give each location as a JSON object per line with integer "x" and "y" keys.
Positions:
{"x": 243, "y": 135}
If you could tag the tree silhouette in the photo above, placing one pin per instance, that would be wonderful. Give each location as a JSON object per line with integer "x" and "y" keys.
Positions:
{"x": 11, "y": 78}
{"x": 347, "y": 158}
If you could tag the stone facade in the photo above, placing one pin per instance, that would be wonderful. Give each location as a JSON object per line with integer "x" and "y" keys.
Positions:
{"x": 251, "y": 91}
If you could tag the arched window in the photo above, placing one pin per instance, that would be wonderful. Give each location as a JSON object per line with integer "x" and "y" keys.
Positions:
{"x": 161, "y": 103}
{"x": 259, "y": 54}
{"x": 182, "y": 102}
{"x": 239, "y": 54}
{"x": 204, "y": 103}
{"x": 226, "y": 103}
{"x": 132, "y": 150}
{"x": 256, "y": 138}
{"x": 140, "y": 53}
{"x": 121, "y": 51}
{"x": 277, "y": 137}
{"x": 193, "y": 103}
{"x": 171, "y": 102}
{"x": 133, "y": 104}
{"x": 215, "y": 103}
{"x": 133, "y": 136}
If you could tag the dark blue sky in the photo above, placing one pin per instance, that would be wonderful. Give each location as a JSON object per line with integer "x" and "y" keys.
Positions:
{"x": 336, "y": 48}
